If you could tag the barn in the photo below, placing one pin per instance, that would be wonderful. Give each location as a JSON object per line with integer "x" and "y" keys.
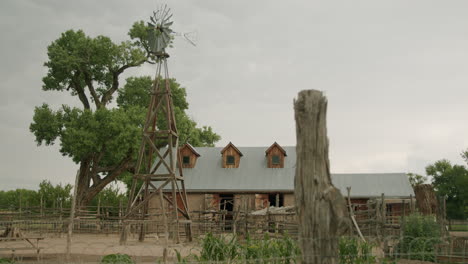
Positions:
{"x": 251, "y": 178}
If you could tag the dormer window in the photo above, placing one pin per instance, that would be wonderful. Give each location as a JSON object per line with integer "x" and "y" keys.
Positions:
{"x": 230, "y": 156}
{"x": 275, "y": 156}
{"x": 275, "y": 160}
{"x": 230, "y": 160}
{"x": 189, "y": 156}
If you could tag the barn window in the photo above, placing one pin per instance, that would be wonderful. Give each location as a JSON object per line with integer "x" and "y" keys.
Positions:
{"x": 230, "y": 160}
{"x": 275, "y": 160}
{"x": 186, "y": 160}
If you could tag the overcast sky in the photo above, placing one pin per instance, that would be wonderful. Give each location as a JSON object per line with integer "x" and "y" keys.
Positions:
{"x": 395, "y": 74}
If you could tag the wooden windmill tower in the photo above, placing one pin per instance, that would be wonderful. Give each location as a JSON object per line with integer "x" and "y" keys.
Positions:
{"x": 157, "y": 170}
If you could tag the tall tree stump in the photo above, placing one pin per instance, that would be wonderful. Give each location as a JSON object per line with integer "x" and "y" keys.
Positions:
{"x": 426, "y": 199}
{"x": 320, "y": 206}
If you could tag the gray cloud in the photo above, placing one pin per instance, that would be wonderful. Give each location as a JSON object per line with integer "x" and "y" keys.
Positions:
{"x": 394, "y": 73}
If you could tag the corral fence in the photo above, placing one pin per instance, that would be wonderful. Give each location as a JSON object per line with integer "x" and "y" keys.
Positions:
{"x": 379, "y": 222}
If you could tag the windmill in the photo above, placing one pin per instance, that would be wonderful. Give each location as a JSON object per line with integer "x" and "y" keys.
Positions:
{"x": 157, "y": 169}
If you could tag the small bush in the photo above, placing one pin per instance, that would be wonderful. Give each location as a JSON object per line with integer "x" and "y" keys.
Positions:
{"x": 266, "y": 250}
{"x": 117, "y": 259}
{"x": 420, "y": 235}
{"x": 352, "y": 251}
{"x": 6, "y": 261}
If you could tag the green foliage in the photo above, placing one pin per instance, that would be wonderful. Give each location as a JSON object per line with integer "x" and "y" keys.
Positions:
{"x": 110, "y": 196}
{"x": 114, "y": 132}
{"x": 353, "y": 251}
{"x": 117, "y": 259}
{"x": 6, "y": 261}
{"x": 137, "y": 91}
{"x": 463, "y": 228}
{"x": 54, "y": 195}
{"x": 76, "y": 61}
{"x": 104, "y": 140}
{"x": 266, "y": 250}
{"x": 416, "y": 179}
{"x": 219, "y": 248}
{"x": 420, "y": 235}
{"x": 451, "y": 181}
{"x": 12, "y": 199}
{"x": 51, "y": 196}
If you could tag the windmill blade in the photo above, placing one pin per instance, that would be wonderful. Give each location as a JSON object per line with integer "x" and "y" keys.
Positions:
{"x": 167, "y": 25}
{"x": 164, "y": 21}
{"x": 166, "y": 38}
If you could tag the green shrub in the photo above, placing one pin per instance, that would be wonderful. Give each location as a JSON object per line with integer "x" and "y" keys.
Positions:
{"x": 117, "y": 259}
{"x": 352, "y": 251}
{"x": 266, "y": 250}
{"x": 6, "y": 261}
{"x": 420, "y": 235}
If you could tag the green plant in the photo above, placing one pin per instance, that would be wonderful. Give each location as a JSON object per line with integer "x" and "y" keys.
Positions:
{"x": 6, "y": 261}
{"x": 231, "y": 250}
{"x": 420, "y": 235}
{"x": 270, "y": 250}
{"x": 219, "y": 248}
{"x": 117, "y": 259}
{"x": 352, "y": 251}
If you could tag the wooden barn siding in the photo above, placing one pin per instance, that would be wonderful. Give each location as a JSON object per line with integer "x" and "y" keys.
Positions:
{"x": 231, "y": 152}
{"x": 275, "y": 151}
{"x": 244, "y": 201}
{"x": 289, "y": 199}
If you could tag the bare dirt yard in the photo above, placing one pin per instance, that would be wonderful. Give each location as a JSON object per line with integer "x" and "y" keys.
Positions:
{"x": 89, "y": 248}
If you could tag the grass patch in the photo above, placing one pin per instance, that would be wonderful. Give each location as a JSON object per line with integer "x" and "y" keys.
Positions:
{"x": 459, "y": 228}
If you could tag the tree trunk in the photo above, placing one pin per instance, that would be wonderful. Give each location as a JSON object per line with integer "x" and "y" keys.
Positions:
{"x": 321, "y": 208}
{"x": 83, "y": 182}
{"x": 86, "y": 190}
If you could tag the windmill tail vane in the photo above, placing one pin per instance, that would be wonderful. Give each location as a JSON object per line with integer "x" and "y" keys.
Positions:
{"x": 191, "y": 37}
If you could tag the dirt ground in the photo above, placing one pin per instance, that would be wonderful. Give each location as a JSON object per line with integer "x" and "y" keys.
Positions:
{"x": 89, "y": 248}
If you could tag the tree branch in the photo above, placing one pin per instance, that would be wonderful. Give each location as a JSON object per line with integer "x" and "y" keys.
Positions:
{"x": 115, "y": 81}
{"x": 90, "y": 85}
{"x": 97, "y": 187}
{"x": 80, "y": 91}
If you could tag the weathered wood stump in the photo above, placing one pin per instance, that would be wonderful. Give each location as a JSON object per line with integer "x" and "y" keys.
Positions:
{"x": 321, "y": 208}
{"x": 426, "y": 199}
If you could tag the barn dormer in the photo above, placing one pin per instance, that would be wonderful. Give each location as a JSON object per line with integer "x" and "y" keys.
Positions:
{"x": 231, "y": 156}
{"x": 275, "y": 155}
{"x": 189, "y": 156}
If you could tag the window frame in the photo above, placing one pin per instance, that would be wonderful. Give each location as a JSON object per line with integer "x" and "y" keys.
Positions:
{"x": 233, "y": 160}
{"x": 184, "y": 159}
{"x": 273, "y": 160}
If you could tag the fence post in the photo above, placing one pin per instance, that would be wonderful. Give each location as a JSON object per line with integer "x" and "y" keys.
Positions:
{"x": 320, "y": 206}
{"x": 20, "y": 209}
{"x": 42, "y": 206}
{"x": 72, "y": 214}
{"x": 383, "y": 212}
{"x": 402, "y": 221}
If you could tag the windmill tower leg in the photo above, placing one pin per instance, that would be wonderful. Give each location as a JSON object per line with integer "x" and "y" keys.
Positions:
{"x": 158, "y": 165}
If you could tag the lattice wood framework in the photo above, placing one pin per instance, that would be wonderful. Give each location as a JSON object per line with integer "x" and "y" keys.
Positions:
{"x": 157, "y": 169}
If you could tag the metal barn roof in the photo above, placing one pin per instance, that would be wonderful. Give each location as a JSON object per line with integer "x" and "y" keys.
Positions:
{"x": 253, "y": 176}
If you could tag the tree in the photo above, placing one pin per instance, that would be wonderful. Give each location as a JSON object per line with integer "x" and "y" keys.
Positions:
{"x": 451, "y": 181}
{"x": 416, "y": 179}
{"x": 103, "y": 140}
{"x": 48, "y": 194}
{"x": 52, "y": 195}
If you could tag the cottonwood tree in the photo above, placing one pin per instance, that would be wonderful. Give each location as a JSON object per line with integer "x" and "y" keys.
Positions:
{"x": 451, "y": 181}
{"x": 102, "y": 139}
